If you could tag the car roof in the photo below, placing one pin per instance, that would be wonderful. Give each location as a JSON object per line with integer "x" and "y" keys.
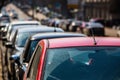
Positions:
{"x": 24, "y": 26}
{"x": 44, "y": 29}
{"x": 55, "y": 35}
{"x": 93, "y": 24}
{"x": 25, "y": 22}
{"x": 83, "y": 41}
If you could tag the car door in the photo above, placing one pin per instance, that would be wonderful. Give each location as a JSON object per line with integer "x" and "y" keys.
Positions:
{"x": 33, "y": 67}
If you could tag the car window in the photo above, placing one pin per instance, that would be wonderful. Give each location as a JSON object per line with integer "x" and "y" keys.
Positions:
{"x": 83, "y": 63}
{"x": 8, "y": 30}
{"x": 22, "y": 25}
{"x": 12, "y": 35}
{"x": 34, "y": 65}
{"x": 22, "y": 38}
{"x": 30, "y": 50}
{"x": 15, "y": 26}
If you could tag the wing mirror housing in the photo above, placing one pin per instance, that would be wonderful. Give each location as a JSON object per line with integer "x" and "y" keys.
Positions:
{"x": 4, "y": 38}
{"x": 15, "y": 58}
{"x": 25, "y": 65}
{"x": 9, "y": 45}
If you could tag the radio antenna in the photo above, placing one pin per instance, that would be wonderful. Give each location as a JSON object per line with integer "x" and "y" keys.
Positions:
{"x": 92, "y": 33}
{"x": 95, "y": 43}
{"x": 55, "y": 25}
{"x": 55, "y": 29}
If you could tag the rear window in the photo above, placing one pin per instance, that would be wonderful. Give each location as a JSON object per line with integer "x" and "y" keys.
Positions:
{"x": 22, "y": 38}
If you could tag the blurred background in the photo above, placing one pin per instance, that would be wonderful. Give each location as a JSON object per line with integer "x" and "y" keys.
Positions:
{"x": 77, "y": 16}
{"x": 106, "y": 12}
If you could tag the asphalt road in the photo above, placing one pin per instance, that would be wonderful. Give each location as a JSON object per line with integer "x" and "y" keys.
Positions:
{"x": 21, "y": 14}
{"x": 3, "y": 72}
{"x": 1, "y": 75}
{"x": 110, "y": 32}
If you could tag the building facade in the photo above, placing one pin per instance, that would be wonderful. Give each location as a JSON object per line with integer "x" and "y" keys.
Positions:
{"x": 82, "y": 9}
{"x": 95, "y": 9}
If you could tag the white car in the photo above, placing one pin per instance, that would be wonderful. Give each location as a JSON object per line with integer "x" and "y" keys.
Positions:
{"x": 21, "y": 23}
{"x": 96, "y": 29}
{"x": 17, "y": 24}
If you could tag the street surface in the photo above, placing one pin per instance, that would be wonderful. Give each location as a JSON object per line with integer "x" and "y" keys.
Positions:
{"x": 111, "y": 32}
{"x": 22, "y": 15}
{"x": 1, "y": 75}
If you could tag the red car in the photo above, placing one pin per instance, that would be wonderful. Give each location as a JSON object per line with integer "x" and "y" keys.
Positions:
{"x": 76, "y": 58}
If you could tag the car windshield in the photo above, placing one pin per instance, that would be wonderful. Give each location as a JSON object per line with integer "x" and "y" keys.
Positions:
{"x": 83, "y": 63}
{"x": 22, "y": 38}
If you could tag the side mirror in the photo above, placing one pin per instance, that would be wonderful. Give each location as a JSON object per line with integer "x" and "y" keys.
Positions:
{"x": 15, "y": 58}
{"x": 25, "y": 65}
{"x": 4, "y": 38}
{"x": 9, "y": 45}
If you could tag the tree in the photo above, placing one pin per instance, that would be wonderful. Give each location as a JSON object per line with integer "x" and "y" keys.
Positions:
{"x": 114, "y": 6}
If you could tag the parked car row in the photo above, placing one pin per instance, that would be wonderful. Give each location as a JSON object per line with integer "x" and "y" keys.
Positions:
{"x": 14, "y": 40}
{"x": 30, "y": 47}
{"x": 76, "y": 58}
{"x": 15, "y": 25}
{"x": 16, "y": 45}
{"x": 6, "y": 16}
{"x": 4, "y": 20}
{"x": 88, "y": 28}
{"x": 48, "y": 52}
